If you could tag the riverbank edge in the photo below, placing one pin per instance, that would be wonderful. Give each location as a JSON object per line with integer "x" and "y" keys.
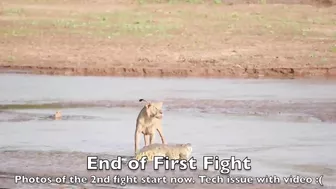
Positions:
{"x": 233, "y": 72}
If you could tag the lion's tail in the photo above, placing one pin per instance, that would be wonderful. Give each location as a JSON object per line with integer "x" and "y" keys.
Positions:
{"x": 141, "y": 99}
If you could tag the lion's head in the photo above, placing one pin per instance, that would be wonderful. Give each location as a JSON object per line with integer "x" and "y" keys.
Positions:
{"x": 154, "y": 109}
{"x": 58, "y": 114}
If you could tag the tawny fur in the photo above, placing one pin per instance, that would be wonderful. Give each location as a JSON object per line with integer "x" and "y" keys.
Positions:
{"x": 57, "y": 115}
{"x": 148, "y": 122}
{"x": 172, "y": 151}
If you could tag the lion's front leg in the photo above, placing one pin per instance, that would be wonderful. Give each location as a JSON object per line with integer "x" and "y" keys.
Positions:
{"x": 151, "y": 138}
{"x": 163, "y": 140}
{"x": 147, "y": 139}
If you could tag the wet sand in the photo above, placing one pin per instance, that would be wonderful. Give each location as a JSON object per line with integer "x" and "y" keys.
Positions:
{"x": 284, "y": 126}
{"x": 37, "y": 164}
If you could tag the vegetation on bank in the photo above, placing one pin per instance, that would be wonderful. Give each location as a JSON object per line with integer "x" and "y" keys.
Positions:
{"x": 228, "y": 31}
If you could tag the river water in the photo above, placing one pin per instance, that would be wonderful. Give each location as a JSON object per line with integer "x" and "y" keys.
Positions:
{"x": 286, "y": 127}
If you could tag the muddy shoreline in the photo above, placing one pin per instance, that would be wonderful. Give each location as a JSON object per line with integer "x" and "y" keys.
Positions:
{"x": 298, "y": 111}
{"x": 280, "y": 73}
{"x": 33, "y": 163}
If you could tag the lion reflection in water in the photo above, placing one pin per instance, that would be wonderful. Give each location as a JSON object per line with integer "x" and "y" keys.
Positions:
{"x": 172, "y": 151}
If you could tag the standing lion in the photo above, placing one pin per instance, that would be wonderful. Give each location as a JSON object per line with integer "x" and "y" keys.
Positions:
{"x": 148, "y": 122}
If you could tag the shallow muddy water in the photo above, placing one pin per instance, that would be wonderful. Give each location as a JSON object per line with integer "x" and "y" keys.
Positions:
{"x": 284, "y": 126}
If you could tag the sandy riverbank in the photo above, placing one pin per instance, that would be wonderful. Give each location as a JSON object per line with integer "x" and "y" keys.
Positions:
{"x": 279, "y": 39}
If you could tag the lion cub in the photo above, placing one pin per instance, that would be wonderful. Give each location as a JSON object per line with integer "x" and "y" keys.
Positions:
{"x": 172, "y": 151}
{"x": 147, "y": 123}
{"x": 57, "y": 115}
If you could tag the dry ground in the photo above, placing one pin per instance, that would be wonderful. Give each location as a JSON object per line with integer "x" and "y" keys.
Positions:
{"x": 236, "y": 38}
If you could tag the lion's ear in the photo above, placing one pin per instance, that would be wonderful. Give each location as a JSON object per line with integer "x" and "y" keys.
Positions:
{"x": 148, "y": 109}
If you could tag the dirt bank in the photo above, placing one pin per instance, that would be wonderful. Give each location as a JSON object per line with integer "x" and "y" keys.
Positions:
{"x": 277, "y": 39}
{"x": 171, "y": 72}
